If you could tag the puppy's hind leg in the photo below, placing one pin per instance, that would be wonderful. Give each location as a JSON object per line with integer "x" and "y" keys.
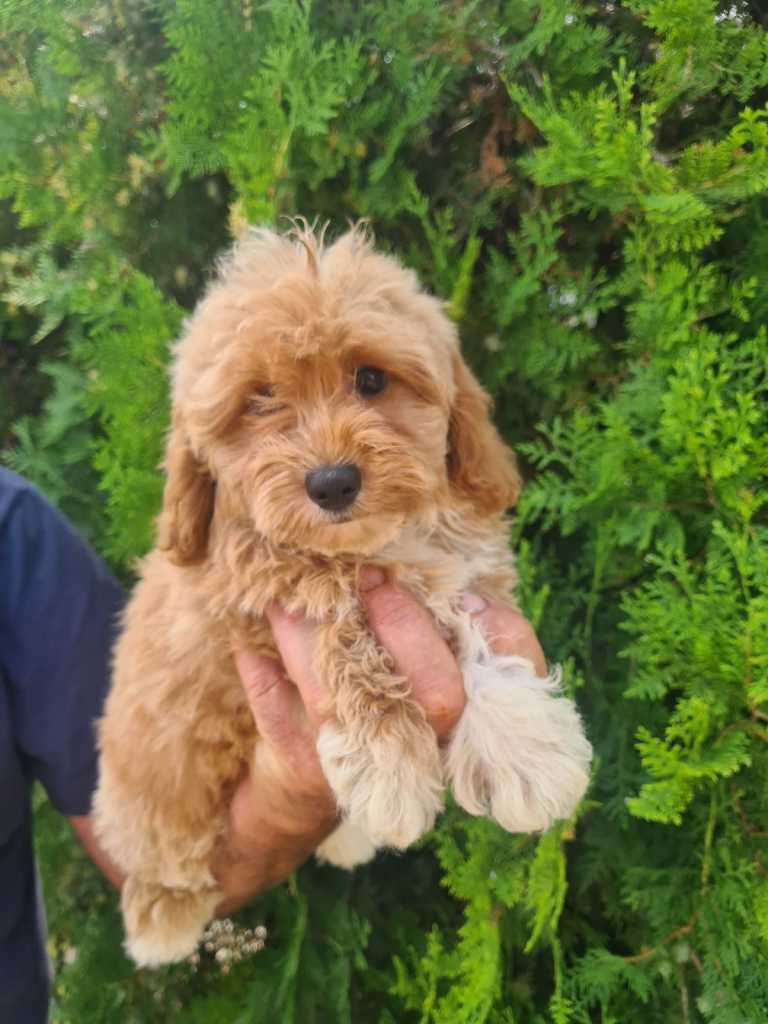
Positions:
{"x": 169, "y": 893}
{"x": 163, "y": 836}
{"x": 519, "y": 753}
{"x": 164, "y": 924}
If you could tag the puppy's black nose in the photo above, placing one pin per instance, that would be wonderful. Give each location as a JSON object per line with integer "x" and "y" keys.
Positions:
{"x": 333, "y": 487}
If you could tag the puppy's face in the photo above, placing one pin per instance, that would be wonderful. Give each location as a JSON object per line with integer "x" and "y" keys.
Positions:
{"x": 319, "y": 395}
{"x": 342, "y": 437}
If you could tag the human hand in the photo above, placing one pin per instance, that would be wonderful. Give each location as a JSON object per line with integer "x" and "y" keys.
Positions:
{"x": 284, "y": 809}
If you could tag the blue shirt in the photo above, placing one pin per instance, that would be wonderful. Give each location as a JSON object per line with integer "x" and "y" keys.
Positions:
{"x": 58, "y": 610}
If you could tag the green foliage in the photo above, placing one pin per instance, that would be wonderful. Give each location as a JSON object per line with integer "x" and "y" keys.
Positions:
{"x": 586, "y": 185}
{"x": 54, "y": 448}
{"x": 128, "y": 333}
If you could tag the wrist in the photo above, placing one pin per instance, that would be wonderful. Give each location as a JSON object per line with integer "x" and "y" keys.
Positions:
{"x": 263, "y": 812}
{"x": 268, "y": 836}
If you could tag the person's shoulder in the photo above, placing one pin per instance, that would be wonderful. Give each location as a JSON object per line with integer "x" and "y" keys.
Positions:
{"x": 26, "y": 515}
{"x": 11, "y": 483}
{"x": 28, "y": 518}
{"x": 38, "y": 543}
{"x": 16, "y": 493}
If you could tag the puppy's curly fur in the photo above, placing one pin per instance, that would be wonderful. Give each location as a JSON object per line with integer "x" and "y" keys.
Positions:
{"x": 266, "y": 389}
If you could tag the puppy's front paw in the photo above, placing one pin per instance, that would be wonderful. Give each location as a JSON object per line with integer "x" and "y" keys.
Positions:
{"x": 392, "y": 793}
{"x": 519, "y": 753}
{"x": 347, "y": 847}
{"x": 163, "y": 924}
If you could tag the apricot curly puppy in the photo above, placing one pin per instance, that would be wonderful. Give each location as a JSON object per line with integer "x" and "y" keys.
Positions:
{"x": 322, "y": 418}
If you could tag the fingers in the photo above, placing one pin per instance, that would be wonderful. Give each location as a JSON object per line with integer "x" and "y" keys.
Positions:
{"x": 507, "y": 631}
{"x": 271, "y": 698}
{"x": 405, "y": 629}
{"x": 287, "y": 753}
{"x": 295, "y": 640}
{"x": 408, "y": 632}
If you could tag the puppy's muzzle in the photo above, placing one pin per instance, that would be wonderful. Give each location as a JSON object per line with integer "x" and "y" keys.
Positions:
{"x": 333, "y": 488}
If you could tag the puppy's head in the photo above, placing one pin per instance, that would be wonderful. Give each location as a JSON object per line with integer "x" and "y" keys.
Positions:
{"x": 319, "y": 395}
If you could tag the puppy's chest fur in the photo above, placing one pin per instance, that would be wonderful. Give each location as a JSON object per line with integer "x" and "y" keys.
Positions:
{"x": 437, "y": 565}
{"x": 220, "y": 606}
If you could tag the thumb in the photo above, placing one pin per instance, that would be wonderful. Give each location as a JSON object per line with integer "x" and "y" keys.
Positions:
{"x": 272, "y": 698}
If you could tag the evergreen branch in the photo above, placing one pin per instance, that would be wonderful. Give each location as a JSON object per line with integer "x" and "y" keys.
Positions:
{"x": 650, "y": 951}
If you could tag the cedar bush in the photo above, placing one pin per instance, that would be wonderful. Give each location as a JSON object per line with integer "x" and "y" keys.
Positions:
{"x": 586, "y": 185}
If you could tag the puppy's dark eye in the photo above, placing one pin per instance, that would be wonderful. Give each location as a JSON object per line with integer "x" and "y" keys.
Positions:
{"x": 260, "y": 402}
{"x": 370, "y": 381}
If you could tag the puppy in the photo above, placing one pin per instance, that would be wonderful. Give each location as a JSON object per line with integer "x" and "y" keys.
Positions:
{"x": 322, "y": 419}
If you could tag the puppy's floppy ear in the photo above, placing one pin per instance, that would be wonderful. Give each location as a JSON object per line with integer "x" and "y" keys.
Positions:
{"x": 188, "y": 500}
{"x": 480, "y": 466}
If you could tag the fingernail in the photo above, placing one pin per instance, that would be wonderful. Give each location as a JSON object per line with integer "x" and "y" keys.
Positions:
{"x": 472, "y": 603}
{"x": 370, "y": 578}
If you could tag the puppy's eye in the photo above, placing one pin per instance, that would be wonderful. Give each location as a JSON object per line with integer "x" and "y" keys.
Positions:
{"x": 261, "y": 401}
{"x": 370, "y": 381}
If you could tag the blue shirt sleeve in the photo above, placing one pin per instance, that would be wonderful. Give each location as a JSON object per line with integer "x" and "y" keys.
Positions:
{"x": 58, "y": 615}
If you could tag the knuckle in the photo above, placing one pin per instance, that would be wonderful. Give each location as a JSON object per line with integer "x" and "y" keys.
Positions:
{"x": 443, "y": 715}
{"x": 260, "y": 680}
{"x": 511, "y": 633}
{"x": 524, "y": 633}
{"x": 442, "y": 696}
{"x": 513, "y": 626}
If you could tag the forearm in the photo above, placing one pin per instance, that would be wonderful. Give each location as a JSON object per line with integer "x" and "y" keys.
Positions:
{"x": 266, "y": 841}
{"x": 83, "y": 829}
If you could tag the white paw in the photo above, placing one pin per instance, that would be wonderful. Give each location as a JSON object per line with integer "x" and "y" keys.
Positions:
{"x": 347, "y": 847}
{"x": 164, "y": 925}
{"x": 153, "y": 950}
{"x": 393, "y": 795}
{"x": 519, "y": 753}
